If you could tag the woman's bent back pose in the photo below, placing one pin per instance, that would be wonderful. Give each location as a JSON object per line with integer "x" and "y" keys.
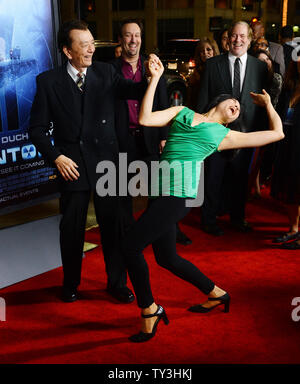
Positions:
{"x": 192, "y": 137}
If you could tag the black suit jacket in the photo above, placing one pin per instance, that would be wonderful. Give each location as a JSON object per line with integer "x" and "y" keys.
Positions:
{"x": 217, "y": 80}
{"x": 86, "y": 139}
{"x": 287, "y": 50}
{"x": 152, "y": 135}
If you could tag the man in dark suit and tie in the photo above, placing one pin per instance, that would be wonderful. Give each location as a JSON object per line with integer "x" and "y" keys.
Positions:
{"x": 138, "y": 142}
{"x": 79, "y": 98}
{"x": 235, "y": 73}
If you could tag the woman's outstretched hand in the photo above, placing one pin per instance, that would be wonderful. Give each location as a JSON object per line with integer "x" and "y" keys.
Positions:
{"x": 262, "y": 99}
{"x": 154, "y": 66}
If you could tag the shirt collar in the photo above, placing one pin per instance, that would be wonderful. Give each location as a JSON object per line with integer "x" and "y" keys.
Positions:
{"x": 139, "y": 64}
{"x": 72, "y": 71}
{"x": 243, "y": 58}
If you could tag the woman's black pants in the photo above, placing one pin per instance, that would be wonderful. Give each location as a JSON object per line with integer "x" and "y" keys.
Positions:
{"x": 157, "y": 226}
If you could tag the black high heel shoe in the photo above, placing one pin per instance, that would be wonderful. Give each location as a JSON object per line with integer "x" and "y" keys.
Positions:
{"x": 141, "y": 336}
{"x": 286, "y": 237}
{"x": 225, "y": 299}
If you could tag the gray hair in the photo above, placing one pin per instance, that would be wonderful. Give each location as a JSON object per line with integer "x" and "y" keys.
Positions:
{"x": 244, "y": 23}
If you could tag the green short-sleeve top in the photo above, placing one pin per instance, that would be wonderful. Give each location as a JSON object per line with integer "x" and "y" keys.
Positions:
{"x": 186, "y": 147}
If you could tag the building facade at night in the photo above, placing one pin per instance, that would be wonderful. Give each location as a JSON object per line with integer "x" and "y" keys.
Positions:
{"x": 165, "y": 19}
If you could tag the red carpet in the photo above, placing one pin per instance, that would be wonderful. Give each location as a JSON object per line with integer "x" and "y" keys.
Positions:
{"x": 261, "y": 279}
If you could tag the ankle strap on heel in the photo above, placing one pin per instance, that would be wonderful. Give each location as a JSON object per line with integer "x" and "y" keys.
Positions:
{"x": 158, "y": 312}
{"x": 221, "y": 298}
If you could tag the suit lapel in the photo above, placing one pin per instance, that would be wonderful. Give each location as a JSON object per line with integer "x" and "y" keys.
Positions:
{"x": 247, "y": 80}
{"x": 92, "y": 97}
{"x": 223, "y": 67}
{"x": 65, "y": 95}
{"x": 117, "y": 64}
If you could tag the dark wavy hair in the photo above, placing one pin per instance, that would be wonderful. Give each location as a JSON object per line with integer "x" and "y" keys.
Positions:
{"x": 219, "y": 39}
{"x": 267, "y": 53}
{"x": 130, "y": 20}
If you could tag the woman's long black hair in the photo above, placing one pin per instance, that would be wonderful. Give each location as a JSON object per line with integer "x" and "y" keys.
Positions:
{"x": 236, "y": 125}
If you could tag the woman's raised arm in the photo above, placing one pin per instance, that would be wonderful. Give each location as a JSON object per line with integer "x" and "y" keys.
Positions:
{"x": 256, "y": 139}
{"x": 158, "y": 118}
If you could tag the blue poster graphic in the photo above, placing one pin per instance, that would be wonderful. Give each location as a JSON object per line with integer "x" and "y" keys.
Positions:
{"x": 26, "y": 49}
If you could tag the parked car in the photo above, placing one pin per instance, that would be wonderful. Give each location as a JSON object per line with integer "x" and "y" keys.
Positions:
{"x": 178, "y": 55}
{"x": 178, "y": 59}
{"x": 176, "y": 87}
{"x": 176, "y": 84}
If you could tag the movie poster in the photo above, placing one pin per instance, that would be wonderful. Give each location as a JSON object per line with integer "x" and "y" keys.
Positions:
{"x": 26, "y": 49}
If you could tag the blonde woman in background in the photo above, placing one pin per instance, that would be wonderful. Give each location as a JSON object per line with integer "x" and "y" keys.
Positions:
{"x": 206, "y": 48}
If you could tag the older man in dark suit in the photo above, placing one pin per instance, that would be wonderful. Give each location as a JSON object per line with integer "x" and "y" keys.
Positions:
{"x": 79, "y": 98}
{"x": 235, "y": 73}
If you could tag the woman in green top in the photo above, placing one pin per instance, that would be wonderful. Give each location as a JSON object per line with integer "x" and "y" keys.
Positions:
{"x": 192, "y": 137}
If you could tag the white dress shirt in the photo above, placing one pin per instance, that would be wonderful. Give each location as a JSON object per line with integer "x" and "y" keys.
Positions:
{"x": 72, "y": 71}
{"x": 243, "y": 63}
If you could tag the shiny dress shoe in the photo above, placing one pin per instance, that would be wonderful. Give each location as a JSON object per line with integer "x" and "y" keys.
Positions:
{"x": 141, "y": 337}
{"x": 224, "y": 300}
{"x": 181, "y": 238}
{"x": 69, "y": 295}
{"x": 242, "y": 226}
{"x": 286, "y": 237}
{"x": 123, "y": 294}
{"x": 293, "y": 245}
{"x": 213, "y": 229}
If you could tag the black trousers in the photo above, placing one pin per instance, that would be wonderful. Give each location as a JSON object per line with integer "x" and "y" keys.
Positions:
{"x": 136, "y": 150}
{"x": 225, "y": 185}
{"x": 74, "y": 206}
{"x": 157, "y": 226}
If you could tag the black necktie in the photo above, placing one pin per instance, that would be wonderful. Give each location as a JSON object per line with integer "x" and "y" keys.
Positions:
{"x": 80, "y": 81}
{"x": 236, "y": 90}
